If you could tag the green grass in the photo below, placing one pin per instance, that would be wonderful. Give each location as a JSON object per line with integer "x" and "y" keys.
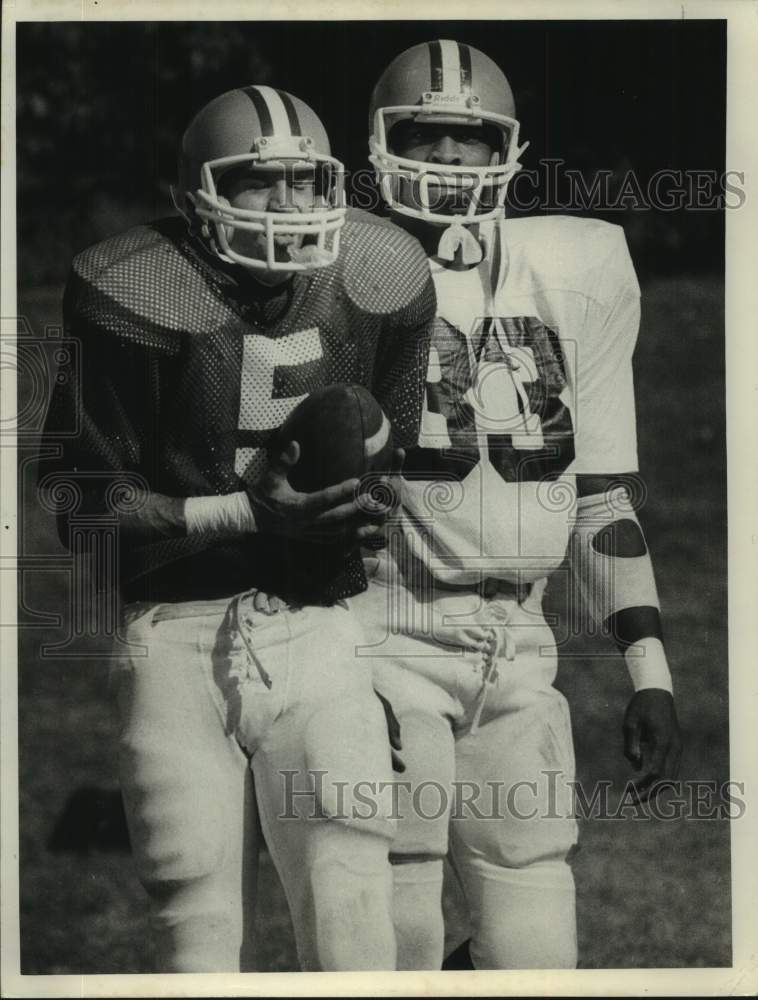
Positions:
{"x": 649, "y": 893}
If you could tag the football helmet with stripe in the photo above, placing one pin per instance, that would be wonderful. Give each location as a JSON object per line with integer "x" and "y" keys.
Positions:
{"x": 262, "y": 131}
{"x": 444, "y": 83}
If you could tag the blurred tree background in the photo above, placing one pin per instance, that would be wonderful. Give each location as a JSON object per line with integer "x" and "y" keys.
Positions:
{"x": 102, "y": 106}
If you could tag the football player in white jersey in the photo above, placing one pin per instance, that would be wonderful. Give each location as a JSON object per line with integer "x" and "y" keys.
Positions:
{"x": 199, "y": 336}
{"x": 526, "y": 450}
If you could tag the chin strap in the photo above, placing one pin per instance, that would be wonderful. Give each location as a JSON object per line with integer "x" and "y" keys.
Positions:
{"x": 458, "y": 236}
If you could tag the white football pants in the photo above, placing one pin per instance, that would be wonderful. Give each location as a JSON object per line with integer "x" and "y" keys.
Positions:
{"x": 509, "y": 811}
{"x": 199, "y": 707}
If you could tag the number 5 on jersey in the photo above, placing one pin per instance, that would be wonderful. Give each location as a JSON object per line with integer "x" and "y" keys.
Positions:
{"x": 274, "y": 373}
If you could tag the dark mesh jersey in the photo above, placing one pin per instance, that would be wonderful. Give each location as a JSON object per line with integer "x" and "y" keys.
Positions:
{"x": 188, "y": 366}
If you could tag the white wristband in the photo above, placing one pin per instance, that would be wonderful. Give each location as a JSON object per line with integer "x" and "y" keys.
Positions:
{"x": 647, "y": 665}
{"x": 224, "y": 515}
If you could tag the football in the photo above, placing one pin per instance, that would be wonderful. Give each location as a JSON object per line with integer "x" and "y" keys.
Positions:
{"x": 342, "y": 432}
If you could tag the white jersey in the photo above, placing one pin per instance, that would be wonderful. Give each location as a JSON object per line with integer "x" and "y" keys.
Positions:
{"x": 529, "y": 383}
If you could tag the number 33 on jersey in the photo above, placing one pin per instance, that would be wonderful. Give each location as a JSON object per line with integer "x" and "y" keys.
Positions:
{"x": 529, "y": 383}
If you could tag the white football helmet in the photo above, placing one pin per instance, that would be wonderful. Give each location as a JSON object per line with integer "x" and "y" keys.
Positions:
{"x": 259, "y": 128}
{"x": 444, "y": 82}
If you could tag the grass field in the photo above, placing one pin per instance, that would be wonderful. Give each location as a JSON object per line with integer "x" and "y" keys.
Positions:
{"x": 650, "y": 893}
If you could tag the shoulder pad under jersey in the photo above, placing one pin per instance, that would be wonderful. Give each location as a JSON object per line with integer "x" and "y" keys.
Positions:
{"x": 369, "y": 218}
{"x": 562, "y": 252}
{"x": 147, "y": 285}
{"x": 383, "y": 269}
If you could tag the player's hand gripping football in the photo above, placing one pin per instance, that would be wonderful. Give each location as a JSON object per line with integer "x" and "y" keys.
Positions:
{"x": 652, "y": 741}
{"x": 331, "y": 513}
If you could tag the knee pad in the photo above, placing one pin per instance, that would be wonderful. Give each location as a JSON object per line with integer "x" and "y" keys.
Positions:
{"x": 514, "y": 797}
{"x": 422, "y": 794}
{"x": 347, "y": 760}
{"x": 173, "y": 839}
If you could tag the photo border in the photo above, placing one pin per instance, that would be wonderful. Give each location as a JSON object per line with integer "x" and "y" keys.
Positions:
{"x": 742, "y": 417}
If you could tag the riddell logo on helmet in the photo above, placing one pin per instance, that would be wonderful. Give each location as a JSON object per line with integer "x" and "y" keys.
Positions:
{"x": 444, "y": 98}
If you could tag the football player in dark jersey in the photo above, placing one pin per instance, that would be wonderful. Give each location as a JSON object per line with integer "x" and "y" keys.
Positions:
{"x": 198, "y": 337}
{"x": 525, "y": 454}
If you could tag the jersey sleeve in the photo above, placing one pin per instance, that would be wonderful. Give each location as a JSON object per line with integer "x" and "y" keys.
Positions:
{"x": 112, "y": 399}
{"x": 106, "y": 396}
{"x": 600, "y": 363}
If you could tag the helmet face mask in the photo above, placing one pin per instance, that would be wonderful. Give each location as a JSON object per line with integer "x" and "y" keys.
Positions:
{"x": 313, "y": 232}
{"x": 440, "y": 184}
{"x": 258, "y": 133}
{"x": 444, "y": 84}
